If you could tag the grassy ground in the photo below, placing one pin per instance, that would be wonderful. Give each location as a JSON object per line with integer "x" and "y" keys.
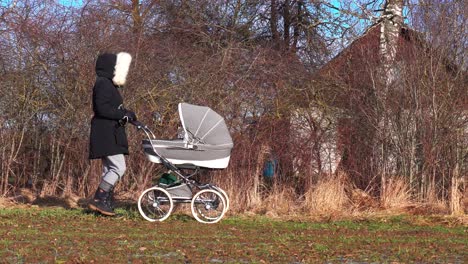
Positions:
{"x": 74, "y": 236}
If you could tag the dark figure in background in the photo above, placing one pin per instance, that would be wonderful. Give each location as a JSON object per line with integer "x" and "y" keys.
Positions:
{"x": 108, "y": 140}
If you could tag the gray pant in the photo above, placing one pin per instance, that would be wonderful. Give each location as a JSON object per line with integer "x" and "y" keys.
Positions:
{"x": 113, "y": 168}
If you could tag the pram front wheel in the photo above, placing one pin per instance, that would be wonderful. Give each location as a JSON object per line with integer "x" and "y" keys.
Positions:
{"x": 155, "y": 204}
{"x": 208, "y": 206}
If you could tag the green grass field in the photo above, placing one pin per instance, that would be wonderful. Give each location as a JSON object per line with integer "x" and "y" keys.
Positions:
{"x": 57, "y": 235}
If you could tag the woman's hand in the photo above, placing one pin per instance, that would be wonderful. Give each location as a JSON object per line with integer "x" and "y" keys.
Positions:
{"x": 130, "y": 115}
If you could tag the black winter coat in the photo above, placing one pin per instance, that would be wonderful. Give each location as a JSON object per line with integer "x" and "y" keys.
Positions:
{"x": 107, "y": 135}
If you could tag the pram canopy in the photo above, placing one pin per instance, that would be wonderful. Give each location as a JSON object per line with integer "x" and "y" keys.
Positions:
{"x": 203, "y": 125}
{"x": 206, "y": 142}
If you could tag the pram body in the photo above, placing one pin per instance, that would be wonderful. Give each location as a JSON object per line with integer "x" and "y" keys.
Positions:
{"x": 206, "y": 143}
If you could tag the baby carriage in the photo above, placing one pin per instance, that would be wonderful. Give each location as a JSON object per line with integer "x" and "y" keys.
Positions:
{"x": 206, "y": 143}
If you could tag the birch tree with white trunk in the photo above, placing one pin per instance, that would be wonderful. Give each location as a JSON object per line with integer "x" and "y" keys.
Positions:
{"x": 391, "y": 22}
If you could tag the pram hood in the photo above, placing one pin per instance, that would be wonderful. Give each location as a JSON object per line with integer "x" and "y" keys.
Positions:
{"x": 203, "y": 126}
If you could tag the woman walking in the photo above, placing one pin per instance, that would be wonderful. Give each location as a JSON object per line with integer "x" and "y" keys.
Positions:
{"x": 108, "y": 140}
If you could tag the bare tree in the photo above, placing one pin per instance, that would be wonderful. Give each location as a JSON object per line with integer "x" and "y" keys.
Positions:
{"x": 395, "y": 110}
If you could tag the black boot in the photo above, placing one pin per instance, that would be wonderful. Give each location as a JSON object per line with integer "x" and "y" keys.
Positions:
{"x": 111, "y": 200}
{"x": 101, "y": 203}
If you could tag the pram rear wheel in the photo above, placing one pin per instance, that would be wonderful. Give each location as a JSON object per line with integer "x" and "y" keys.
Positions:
{"x": 155, "y": 204}
{"x": 208, "y": 206}
{"x": 225, "y": 196}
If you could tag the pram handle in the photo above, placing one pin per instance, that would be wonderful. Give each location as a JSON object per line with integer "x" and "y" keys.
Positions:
{"x": 138, "y": 124}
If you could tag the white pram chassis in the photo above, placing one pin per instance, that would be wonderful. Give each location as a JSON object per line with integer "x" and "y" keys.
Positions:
{"x": 206, "y": 147}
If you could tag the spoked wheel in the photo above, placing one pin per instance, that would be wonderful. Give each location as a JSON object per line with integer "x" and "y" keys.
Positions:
{"x": 208, "y": 206}
{"x": 225, "y": 196}
{"x": 155, "y": 204}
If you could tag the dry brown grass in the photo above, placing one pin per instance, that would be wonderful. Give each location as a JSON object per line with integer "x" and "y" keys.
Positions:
{"x": 21, "y": 198}
{"x": 5, "y": 202}
{"x": 361, "y": 200}
{"x": 456, "y": 197}
{"x": 24, "y": 198}
{"x": 434, "y": 208}
{"x": 332, "y": 197}
{"x": 280, "y": 201}
{"x": 397, "y": 194}
{"x": 464, "y": 200}
{"x": 328, "y": 196}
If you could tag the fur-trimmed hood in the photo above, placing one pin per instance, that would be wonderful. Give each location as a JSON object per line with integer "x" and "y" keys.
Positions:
{"x": 114, "y": 66}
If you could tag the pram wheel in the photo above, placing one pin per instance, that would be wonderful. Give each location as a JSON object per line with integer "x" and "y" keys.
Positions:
{"x": 155, "y": 204}
{"x": 208, "y": 206}
{"x": 225, "y": 196}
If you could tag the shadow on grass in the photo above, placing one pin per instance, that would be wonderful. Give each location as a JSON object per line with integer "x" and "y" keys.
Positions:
{"x": 124, "y": 208}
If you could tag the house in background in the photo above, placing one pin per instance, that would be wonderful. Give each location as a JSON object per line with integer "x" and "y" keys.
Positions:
{"x": 345, "y": 140}
{"x": 399, "y": 116}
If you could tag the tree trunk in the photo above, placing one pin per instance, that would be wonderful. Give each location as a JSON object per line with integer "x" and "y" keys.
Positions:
{"x": 455, "y": 194}
{"x": 274, "y": 23}
{"x": 136, "y": 16}
{"x": 286, "y": 24}
{"x": 392, "y": 20}
{"x": 390, "y": 25}
{"x": 297, "y": 25}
